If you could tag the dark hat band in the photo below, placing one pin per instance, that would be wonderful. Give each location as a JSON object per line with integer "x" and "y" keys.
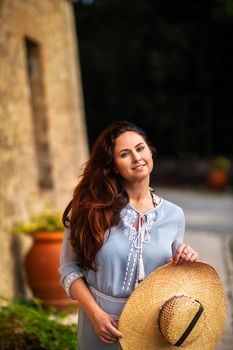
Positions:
{"x": 191, "y": 325}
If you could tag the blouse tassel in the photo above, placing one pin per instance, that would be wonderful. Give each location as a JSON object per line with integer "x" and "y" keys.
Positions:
{"x": 140, "y": 270}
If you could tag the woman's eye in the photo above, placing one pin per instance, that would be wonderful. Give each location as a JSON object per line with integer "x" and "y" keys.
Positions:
{"x": 139, "y": 149}
{"x": 123, "y": 155}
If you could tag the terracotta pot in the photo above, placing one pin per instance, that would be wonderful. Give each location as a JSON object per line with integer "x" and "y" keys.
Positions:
{"x": 42, "y": 263}
{"x": 217, "y": 179}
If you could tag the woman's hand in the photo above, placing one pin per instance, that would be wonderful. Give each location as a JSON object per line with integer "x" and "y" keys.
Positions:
{"x": 184, "y": 253}
{"x": 105, "y": 327}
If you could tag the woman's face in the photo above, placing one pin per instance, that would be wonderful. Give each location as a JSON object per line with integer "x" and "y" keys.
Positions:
{"x": 132, "y": 157}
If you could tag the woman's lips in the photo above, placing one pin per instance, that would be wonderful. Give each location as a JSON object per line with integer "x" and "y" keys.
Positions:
{"x": 139, "y": 166}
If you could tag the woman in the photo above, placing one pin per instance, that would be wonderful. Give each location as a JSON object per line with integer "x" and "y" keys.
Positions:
{"x": 117, "y": 232}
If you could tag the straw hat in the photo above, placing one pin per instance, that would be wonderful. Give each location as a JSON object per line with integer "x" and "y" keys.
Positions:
{"x": 176, "y": 305}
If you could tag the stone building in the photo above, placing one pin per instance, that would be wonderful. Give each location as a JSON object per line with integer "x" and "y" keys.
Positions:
{"x": 43, "y": 139}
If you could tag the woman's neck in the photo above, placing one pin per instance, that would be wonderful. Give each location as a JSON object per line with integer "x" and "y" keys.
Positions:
{"x": 139, "y": 195}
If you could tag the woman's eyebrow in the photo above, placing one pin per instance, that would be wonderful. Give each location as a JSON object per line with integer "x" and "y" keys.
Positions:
{"x": 127, "y": 149}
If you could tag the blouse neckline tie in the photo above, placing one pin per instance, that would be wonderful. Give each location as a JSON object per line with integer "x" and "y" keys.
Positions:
{"x": 142, "y": 237}
{"x": 139, "y": 236}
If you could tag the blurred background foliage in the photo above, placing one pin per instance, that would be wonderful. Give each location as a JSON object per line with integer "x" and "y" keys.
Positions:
{"x": 165, "y": 65}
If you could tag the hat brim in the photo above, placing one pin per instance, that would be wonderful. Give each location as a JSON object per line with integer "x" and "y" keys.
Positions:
{"x": 198, "y": 280}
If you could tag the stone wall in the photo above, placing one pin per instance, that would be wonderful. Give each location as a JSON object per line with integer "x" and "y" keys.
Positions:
{"x": 50, "y": 25}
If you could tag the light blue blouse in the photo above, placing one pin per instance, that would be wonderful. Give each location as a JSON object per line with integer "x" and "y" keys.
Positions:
{"x": 127, "y": 256}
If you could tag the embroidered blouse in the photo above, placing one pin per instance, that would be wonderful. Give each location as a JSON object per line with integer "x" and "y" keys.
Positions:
{"x": 127, "y": 255}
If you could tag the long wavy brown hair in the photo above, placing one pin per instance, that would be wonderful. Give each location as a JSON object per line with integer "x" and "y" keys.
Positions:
{"x": 99, "y": 196}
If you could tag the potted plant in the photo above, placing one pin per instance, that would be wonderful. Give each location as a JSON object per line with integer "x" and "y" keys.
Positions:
{"x": 42, "y": 260}
{"x": 218, "y": 173}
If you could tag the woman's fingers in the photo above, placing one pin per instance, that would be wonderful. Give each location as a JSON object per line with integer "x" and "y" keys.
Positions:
{"x": 114, "y": 331}
{"x": 106, "y": 327}
{"x": 184, "y": 253}
{"x": 106, "y": 339}
{"x": 188, "y": 256}
{"x": 179, "y": 251}
{"x": 110, "y": 335}
{"x": 191, "y": 255}
{"x": 170, "y": 260}
{"x": 194, "y": 256}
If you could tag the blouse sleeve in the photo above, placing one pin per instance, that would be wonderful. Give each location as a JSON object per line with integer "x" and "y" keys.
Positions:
{"x": 180, "y": 232}
{"x": 69, "y": 269}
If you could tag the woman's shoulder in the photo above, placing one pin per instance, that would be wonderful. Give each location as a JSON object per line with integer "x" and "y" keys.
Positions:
{"x": 162, "y": 202}
{"x": 172, "y": 206}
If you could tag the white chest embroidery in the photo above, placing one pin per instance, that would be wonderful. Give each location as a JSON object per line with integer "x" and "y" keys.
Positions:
{"x": 139, "y": 237}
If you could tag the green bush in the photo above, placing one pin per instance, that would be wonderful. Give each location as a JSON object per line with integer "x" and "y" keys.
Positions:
{"x": 26, "y": 326}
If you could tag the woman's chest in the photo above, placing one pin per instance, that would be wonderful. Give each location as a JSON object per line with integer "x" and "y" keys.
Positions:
{"x": 124, "y": 244}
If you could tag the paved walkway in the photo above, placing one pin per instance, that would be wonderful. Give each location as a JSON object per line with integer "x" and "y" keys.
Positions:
{"x": 209, "y": 222}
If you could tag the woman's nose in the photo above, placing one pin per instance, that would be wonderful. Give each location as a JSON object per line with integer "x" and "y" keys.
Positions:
{"x": 136, "y": 157}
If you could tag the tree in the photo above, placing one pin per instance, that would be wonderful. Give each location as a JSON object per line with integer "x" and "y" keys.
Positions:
{"x": 164, "y": 65}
